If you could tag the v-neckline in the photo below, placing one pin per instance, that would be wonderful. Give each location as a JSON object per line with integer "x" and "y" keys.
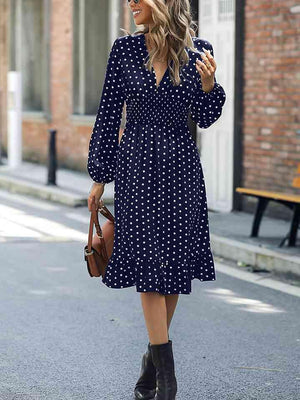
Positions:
{"x": 157, "y": 86}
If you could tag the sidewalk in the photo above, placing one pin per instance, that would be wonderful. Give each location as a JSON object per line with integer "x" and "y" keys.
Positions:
{"x": 71, "y": 188}
{"x": 229, "y": 231}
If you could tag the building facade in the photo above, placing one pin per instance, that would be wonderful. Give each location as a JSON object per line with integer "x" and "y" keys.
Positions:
{"x": 61, "y": 48}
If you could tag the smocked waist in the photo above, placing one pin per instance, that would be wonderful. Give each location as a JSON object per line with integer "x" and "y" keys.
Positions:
{"x": 150, "y": 122}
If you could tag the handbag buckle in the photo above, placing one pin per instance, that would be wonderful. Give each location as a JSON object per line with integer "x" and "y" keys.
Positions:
{"x": 88, "y": 253}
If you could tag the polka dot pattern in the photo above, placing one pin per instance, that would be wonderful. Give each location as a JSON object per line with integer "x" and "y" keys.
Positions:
{"x": 161, "y": 240}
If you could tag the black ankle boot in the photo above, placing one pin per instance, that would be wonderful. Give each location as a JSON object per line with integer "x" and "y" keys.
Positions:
{"x": 162, "y": 356}
{"x": 146, "y": 385}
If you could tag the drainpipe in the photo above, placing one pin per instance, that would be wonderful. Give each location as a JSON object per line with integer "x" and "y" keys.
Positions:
{"x": 238, "y": 111}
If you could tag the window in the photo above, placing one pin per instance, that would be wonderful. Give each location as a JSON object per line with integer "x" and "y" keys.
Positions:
{"x": 206, "y": 9}
{"x": 225, "y": 10}
{"x": 93, "y": 23}
{"x": 29, "y": 51}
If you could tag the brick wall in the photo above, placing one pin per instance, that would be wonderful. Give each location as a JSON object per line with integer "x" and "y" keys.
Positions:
{"x": 71, "y": 139}
{"x": 271, "y": 98}
{"x": 73, "y": 135}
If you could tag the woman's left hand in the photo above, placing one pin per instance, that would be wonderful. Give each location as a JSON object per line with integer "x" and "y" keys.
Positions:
{"x": 206, "y": 69}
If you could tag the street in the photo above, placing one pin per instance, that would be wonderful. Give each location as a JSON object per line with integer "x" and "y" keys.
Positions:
{"x": 65, "y": 335}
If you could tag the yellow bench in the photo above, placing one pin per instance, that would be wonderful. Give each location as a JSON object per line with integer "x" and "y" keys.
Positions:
{"x": 289, "y": 200}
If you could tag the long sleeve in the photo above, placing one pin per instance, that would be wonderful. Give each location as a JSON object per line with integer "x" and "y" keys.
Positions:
{"x": 103, "y": 145}
{"x": 206, "y": 108}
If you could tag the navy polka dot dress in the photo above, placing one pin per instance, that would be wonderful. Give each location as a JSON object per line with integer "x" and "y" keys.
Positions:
{"x": 161, "y": 240}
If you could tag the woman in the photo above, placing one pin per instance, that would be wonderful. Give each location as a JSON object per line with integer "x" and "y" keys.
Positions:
{"x": 161, "y": 240}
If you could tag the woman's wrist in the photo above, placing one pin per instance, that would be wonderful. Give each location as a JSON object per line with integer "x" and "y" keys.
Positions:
{"x": 99, "y": 183}
{"x": 207, "y": 88}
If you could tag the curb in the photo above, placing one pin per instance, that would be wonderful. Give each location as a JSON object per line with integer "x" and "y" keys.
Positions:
{"x": 254, "y": 255}
{"x": 47, "y": 192}
{"x": 258, "y": 279}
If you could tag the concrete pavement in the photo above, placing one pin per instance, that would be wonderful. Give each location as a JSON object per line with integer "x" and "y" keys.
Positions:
{"x": 65, "y": 335}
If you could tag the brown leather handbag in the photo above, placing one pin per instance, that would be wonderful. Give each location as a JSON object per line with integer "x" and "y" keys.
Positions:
{"x": 100, "y": 246}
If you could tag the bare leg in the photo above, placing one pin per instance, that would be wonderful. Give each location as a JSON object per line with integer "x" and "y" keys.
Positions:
{"x": 155, "y": 313}
{"x": 158, "y": 312}
{"x": 171, "y": 303}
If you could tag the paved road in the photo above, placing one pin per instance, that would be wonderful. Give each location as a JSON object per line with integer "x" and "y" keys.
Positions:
{"x": 67, "y": 336}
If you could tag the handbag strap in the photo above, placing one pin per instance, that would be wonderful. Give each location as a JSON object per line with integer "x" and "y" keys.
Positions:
{"x": 105, "y": 211}
{"x": 94, "y": 220}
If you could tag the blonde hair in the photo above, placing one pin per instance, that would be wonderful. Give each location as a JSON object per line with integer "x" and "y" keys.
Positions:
{"x": 172, "y": 32}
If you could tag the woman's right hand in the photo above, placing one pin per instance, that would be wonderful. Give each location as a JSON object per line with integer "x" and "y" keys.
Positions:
{"x": 96, "y": 192}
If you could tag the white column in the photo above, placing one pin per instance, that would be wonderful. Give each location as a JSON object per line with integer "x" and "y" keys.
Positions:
{"x": 114, "y": 19}
{"x": 14, "y": 118}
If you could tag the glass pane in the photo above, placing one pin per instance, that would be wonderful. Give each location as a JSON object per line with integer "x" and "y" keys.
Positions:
{"x": 206, "y": 9}
{"x": 76, "y": 57}
{"x": 13, "y": 24}
{"x": 225, "y": 10}
{"x": 96, "y": 51}
{"x": 32, "y": 54}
